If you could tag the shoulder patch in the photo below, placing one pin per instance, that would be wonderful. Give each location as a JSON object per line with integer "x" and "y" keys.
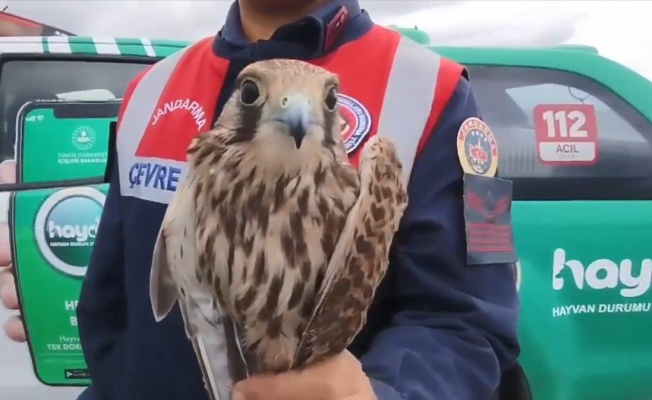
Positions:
{"x": 476, "y": 148}
{"x": 488, "y": 220}
{"x": 356, "y": 122}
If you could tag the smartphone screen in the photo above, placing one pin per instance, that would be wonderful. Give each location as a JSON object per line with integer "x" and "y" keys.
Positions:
{"x": 53, "y": 230}
{"x": 53, "y": 233}
{"x": 63, "y": 140}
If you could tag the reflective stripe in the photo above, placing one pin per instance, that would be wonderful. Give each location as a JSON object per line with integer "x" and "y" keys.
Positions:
{"x": 58, "y": 44}
{"x": 25, "y": 44}
{"x": 89, "y": 45}
{"x": 134, "y": 122}
{"x": 408, "y": 99}
{"x": 149, "y": 49}
{"x": 151, "y": 178}
{"x": 106, "y": 46}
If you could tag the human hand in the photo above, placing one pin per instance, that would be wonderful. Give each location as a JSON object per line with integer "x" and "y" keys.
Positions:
{"x": 8, "y": 172}
{"x": 13, "y": 327}
{"x": 338, "y": 378}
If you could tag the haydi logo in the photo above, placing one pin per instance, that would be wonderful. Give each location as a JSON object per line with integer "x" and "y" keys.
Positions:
{"x": 194, "y": 108}
{"x": 603, "y": 274}
{"x": 65, "y": 228}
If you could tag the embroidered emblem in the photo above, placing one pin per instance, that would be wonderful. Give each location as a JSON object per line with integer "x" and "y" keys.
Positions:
{"x": 356, "y": 122}
{"x": 476, "y": 148}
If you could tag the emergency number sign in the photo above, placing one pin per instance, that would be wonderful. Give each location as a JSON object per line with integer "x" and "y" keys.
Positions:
{"x": 566, "y": 134}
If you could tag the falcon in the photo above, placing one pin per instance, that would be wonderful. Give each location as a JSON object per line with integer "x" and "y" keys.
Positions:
{"x": 274, "y": 244}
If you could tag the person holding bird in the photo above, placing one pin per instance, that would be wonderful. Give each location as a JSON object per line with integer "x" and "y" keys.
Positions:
{"x": 356, "y": 269}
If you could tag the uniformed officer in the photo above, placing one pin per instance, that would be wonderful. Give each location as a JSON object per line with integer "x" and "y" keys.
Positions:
{"x": 443, "y": 325}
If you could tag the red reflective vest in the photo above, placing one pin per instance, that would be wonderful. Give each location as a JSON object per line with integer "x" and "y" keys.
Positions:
{"x": 389, "y": 85}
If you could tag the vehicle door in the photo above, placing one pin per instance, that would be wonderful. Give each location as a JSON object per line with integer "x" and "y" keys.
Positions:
{"x": 574, "y": 133}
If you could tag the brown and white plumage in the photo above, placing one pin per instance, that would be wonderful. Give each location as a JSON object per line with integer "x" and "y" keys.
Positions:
{"x": 274, "y": 244}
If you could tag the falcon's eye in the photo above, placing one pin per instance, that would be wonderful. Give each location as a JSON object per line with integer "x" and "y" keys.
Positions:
{"x": 249, "y": 92}
{"x": 331, "y": 99}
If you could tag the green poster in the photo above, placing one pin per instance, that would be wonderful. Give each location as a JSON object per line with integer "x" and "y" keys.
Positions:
{"x": 53, "y": 234}
{"x": 56, "y": 144}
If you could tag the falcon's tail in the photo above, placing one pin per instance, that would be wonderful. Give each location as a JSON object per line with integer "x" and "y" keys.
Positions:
{"x": 162, "y": 287}
{"x": 215, "y": 341}
{"x": 174, "y": 270}
{"x": 360, "y": 258}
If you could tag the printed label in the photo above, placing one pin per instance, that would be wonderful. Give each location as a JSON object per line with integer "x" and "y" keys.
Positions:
{"x": 628, "y": 278}
{"x": 566, "y": 134}
{"x": 191, "y": 106}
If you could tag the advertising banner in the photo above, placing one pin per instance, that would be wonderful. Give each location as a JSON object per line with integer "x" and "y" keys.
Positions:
{"x": 13, "y": 25}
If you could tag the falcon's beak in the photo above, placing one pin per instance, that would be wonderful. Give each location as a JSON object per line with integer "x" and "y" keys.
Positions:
{"x": 296, "y": 115}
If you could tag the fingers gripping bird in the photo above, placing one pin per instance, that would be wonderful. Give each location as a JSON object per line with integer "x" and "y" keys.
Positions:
{"x": 274, "y": 244}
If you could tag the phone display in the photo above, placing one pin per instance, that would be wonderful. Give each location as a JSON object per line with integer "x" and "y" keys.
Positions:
{"x": 53, "y": 230}
{"x": 63, "y": 140}
{"x": 53, "y": 233}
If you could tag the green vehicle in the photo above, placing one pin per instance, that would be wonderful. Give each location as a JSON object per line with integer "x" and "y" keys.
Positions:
{"x": 575, "y": 136}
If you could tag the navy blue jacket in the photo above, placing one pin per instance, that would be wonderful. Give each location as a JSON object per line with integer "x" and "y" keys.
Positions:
{"x": 439, "y": 328}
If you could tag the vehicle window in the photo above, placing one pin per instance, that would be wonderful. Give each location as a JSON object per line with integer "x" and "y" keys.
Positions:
{"x": 24, "y": 80}
{"x": 564, "y": 136}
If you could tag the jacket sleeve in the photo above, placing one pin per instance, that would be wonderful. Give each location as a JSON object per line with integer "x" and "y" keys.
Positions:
{"x": 101, "y": 311}
{"x": 453, "y": 327}
{"x": 102, "y": 307}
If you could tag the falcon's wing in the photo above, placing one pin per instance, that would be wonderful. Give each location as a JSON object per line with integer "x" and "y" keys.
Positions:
{"x": 360, "y": 258}
{"x": 174, "y": 264}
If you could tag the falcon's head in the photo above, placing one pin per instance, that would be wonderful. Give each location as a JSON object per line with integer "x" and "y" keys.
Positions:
{"x": 284, "y": 108}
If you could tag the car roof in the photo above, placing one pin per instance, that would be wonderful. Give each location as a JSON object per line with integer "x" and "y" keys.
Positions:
{"x": 147, "y": 47}
{"x": 144, "y": 47}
